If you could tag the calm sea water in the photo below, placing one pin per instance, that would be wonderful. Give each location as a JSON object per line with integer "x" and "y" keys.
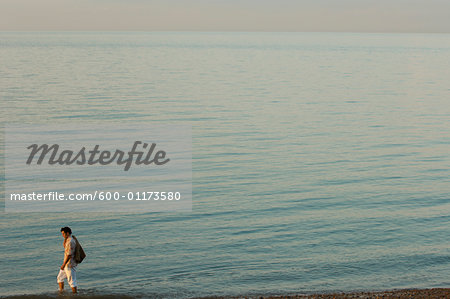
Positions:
{"x": 320, "y": 160}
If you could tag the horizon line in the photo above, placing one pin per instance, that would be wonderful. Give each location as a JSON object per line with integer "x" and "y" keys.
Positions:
{"x": 228, "y": 31}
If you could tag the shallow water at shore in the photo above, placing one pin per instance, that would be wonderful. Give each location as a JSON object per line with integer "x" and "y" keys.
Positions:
{"x": 400, "y": 294}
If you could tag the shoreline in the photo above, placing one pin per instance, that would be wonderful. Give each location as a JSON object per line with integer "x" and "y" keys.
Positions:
{"x": 401, "y": 293}
{"x": 432, "y": 293}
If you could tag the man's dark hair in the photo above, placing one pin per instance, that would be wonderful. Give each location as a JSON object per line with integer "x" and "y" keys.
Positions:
{"x": 66, "y": 230}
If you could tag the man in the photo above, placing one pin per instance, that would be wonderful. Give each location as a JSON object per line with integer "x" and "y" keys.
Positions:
{"x": 68, "y": 268}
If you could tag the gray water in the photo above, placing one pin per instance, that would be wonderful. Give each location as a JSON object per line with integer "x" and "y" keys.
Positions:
{"x": 320, "y": 160}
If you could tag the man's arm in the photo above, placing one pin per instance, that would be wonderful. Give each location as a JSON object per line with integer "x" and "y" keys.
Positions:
{"x": 66, "y": 260}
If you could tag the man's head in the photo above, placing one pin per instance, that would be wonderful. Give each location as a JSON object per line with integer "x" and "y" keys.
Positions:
{"x": 66, "y": 231}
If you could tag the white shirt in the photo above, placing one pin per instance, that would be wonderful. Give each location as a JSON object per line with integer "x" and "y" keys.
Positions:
{"x": 69, "y": 249}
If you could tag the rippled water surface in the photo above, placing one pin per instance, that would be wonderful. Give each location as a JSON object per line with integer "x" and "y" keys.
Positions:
{"x": 320, "y": 160}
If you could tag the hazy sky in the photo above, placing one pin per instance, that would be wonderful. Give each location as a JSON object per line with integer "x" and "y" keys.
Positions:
{"x": 227, "y": 15}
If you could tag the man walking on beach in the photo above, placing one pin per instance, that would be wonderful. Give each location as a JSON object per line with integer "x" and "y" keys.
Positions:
{"x": 68, "y": 268}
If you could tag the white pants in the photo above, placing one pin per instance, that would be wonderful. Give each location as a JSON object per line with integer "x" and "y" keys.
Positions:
{"x": 70, "y": 274}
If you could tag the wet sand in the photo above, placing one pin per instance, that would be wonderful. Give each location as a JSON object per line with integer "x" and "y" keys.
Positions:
{"x": 443, "y": 293}
{"x": 402, "y": 294}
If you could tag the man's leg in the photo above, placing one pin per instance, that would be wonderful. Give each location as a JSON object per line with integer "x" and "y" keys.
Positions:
{"x": 60, "y": 279}
{"x": 71, "y": 278}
